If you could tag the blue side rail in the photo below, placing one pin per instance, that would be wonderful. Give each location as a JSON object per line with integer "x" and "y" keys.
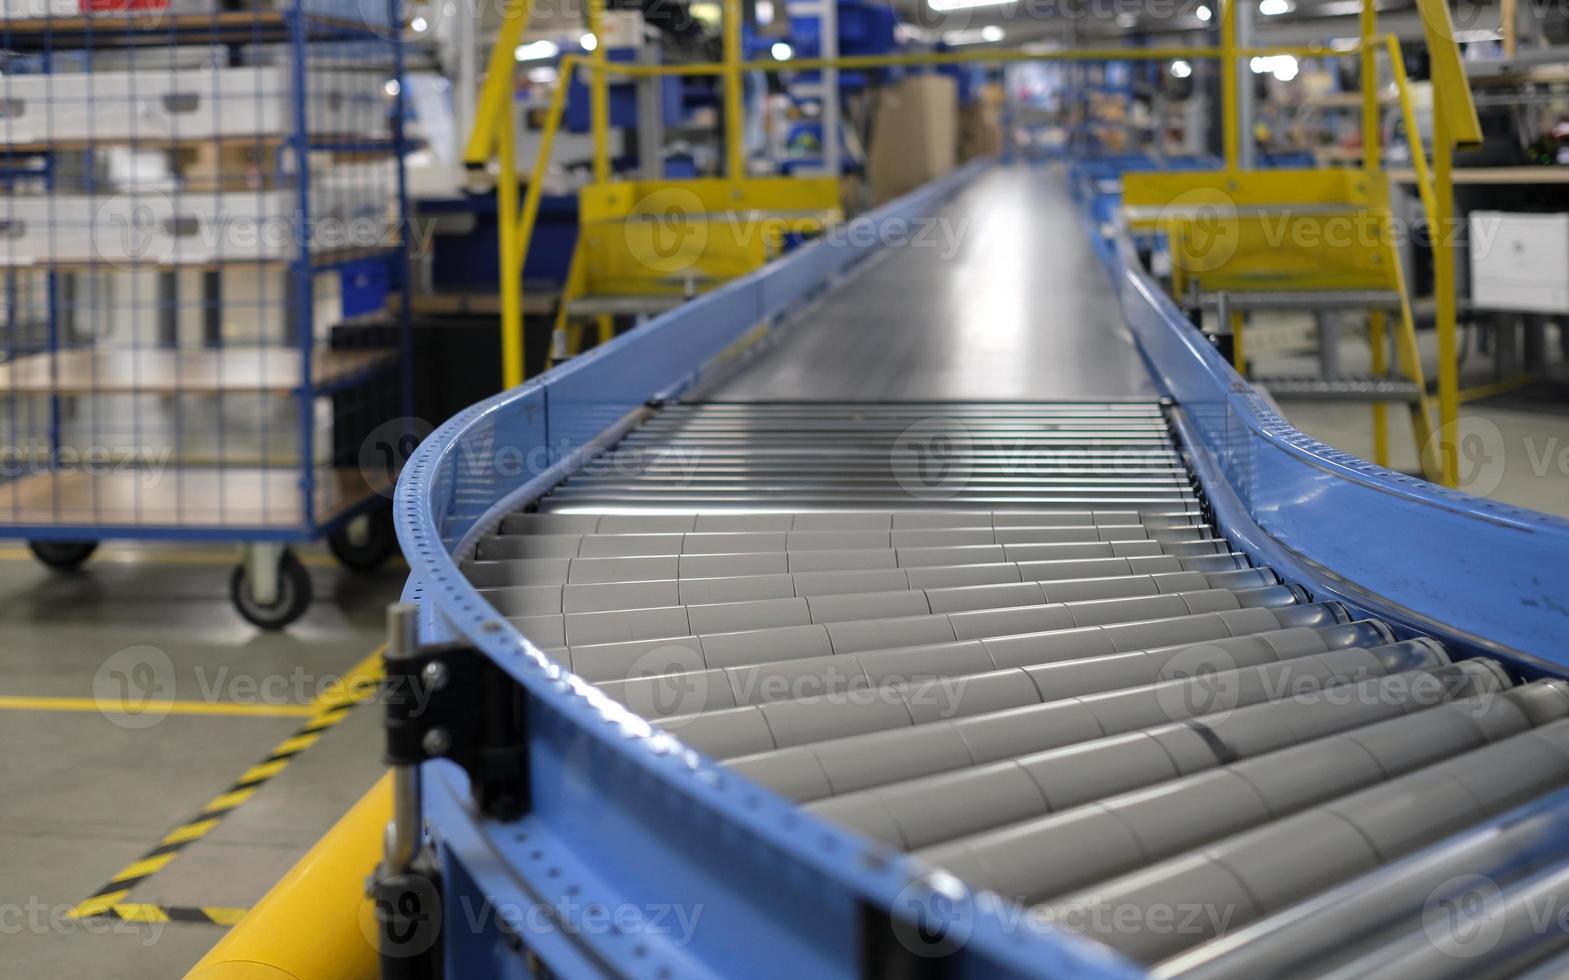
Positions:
{"x": 639, "y": 857}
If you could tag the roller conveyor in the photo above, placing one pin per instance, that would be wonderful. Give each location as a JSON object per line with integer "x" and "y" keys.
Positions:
{"x": 1076, "y": 695}
{"x": 810, "y": 620}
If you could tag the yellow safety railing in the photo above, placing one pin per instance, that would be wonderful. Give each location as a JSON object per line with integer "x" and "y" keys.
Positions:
{"x": 1455, "y": 123}
{"x": 493, "y": 136}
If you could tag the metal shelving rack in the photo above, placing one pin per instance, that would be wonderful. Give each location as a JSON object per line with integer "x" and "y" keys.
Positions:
{"x": 202, "y": 212}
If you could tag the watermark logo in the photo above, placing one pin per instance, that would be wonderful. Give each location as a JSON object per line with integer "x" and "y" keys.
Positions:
{"x": 933, "y": 459}
{"x": 666, "y": 232}
{"x": 386, "y": 18}
{"x": 1199, "y": 680}
{"x": 387, "y": 449}
{"x": 132, "y": 229}
{"x": 1464, "y": 916}
{"x": 1480, "y": 455}
{"x": 933, "y": 916}
{"x": 1206, "y": 219}
{"x": 134, "y": 688}
{"x": 668, "y": 682}
{"x": 405, "y": 918}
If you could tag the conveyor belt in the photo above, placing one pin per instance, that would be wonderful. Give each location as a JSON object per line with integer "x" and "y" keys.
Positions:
{"x": 1004, "y": 637}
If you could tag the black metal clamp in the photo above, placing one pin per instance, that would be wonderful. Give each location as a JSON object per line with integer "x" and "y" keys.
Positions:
{"x": 446, "y": 701}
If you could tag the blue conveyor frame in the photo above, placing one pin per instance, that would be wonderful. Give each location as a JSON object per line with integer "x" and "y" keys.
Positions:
{"x": 624, "y": 818}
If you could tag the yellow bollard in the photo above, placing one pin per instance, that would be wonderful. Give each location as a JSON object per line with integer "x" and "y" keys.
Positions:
{"x": 317, "y": 923}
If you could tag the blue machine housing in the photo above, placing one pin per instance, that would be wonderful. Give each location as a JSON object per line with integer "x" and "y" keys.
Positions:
{"x": 631, "y": 836}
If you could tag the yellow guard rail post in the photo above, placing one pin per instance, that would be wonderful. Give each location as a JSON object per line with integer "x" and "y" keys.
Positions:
{"x": 1454, "y": 124}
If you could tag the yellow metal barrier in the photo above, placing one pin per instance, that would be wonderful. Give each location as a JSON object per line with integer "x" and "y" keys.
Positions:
{"x": 1455, "y": 123}
{"x": 496, "y": 101}
{"x": 317, "y": 922}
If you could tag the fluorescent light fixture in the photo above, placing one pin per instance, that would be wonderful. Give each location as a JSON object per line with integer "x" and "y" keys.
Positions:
{"x": 1204, "y": 14}
{"x": 781, "y": 51}
{"x": 764, "y": 11}
{"x": 536, "y": 51}
{"x": 543, "y": 75}
{"x": 1274, "y": 8}
{"x": 1282, "y": 66}
{"x": 588, "y": 42}
{"x": 989, "y": 34}
{"x": 945, "y": 5}
{"x": 1181, "y": 69}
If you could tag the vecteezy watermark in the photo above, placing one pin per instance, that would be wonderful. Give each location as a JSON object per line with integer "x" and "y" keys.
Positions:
{"x": 668, "y": 231}
{"x": 512, "y": 451}
{"x": 387, "y": 449}
{"x": 36, "y": 917}
{"x": 139, "y": 686}
{"x": 935, "y": 915}
{"x": 135, "y": 687}
{"x": 39, "y": 458}
{"x": 1207, "y": 227}
{"x": 1469, "y": 915}
{"x": 418, "y": 920}
{"x": 148, "y": 227}
{"x": 933, "y": 459}
{"x": 670, "y": 685}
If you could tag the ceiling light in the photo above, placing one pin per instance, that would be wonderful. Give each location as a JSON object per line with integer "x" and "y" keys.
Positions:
{"x": 536, "y": 51}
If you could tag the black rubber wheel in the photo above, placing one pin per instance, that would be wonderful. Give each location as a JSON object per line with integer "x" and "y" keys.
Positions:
{"x": 63, "y": 556}
{"x": 294, "y": 595}
{"x": 380, "y": 544}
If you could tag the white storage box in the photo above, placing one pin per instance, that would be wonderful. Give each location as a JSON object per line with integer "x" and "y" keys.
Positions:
{"x": 159, "y": 106}
{"x": 151, "y": 228}
{"x": 1520, "y": 262}
{"x": 38, "y": 9}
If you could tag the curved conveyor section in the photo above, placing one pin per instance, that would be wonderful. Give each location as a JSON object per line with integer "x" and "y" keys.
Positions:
{"x": 1004, "y": 637}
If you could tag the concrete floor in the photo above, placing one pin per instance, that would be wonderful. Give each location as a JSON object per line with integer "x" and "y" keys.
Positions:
{"x": 87, "y": 793}
{"x": 1514, "y": 448}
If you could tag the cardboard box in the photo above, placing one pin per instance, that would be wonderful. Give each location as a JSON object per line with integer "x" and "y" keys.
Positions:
{"x": 980, "y": 131}
{"x": 915, "y": 135}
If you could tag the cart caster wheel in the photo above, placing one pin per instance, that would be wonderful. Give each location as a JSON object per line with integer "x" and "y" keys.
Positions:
{"x": 369, "y": 549}
{"x": 63, "y": 556}
{"x": 294, "y": 595}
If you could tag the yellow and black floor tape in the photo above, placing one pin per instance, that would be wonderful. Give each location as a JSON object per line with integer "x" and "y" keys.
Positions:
{"x": 109, "y": 901}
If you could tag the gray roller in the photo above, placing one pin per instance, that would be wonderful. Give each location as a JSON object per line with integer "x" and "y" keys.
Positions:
{"x": 905, "y": 751}
{"x": 557, "y": 571}
{"x": 658, "y": 611}
{"x": 922, "y": 812}
{"x": 1374, "y": 911}
{"x": 515, "y": 546}
{"x": 950, "y": 667}
{"x": 1036, "y": 859}
{"x": 1268, "y": 869}
{"x": 615, "y": 649}
{"x": 662, "y": 685}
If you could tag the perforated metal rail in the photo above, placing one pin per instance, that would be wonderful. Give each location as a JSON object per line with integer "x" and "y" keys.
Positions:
{"x": 1004, "y": 637}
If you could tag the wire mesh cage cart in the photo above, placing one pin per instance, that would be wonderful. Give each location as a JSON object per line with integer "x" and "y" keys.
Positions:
{"x": 202, "y": 219}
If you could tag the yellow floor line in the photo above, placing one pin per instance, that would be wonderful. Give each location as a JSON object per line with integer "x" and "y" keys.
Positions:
{"x": 109, "y": 706}
{"x": 329, "y": 709}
